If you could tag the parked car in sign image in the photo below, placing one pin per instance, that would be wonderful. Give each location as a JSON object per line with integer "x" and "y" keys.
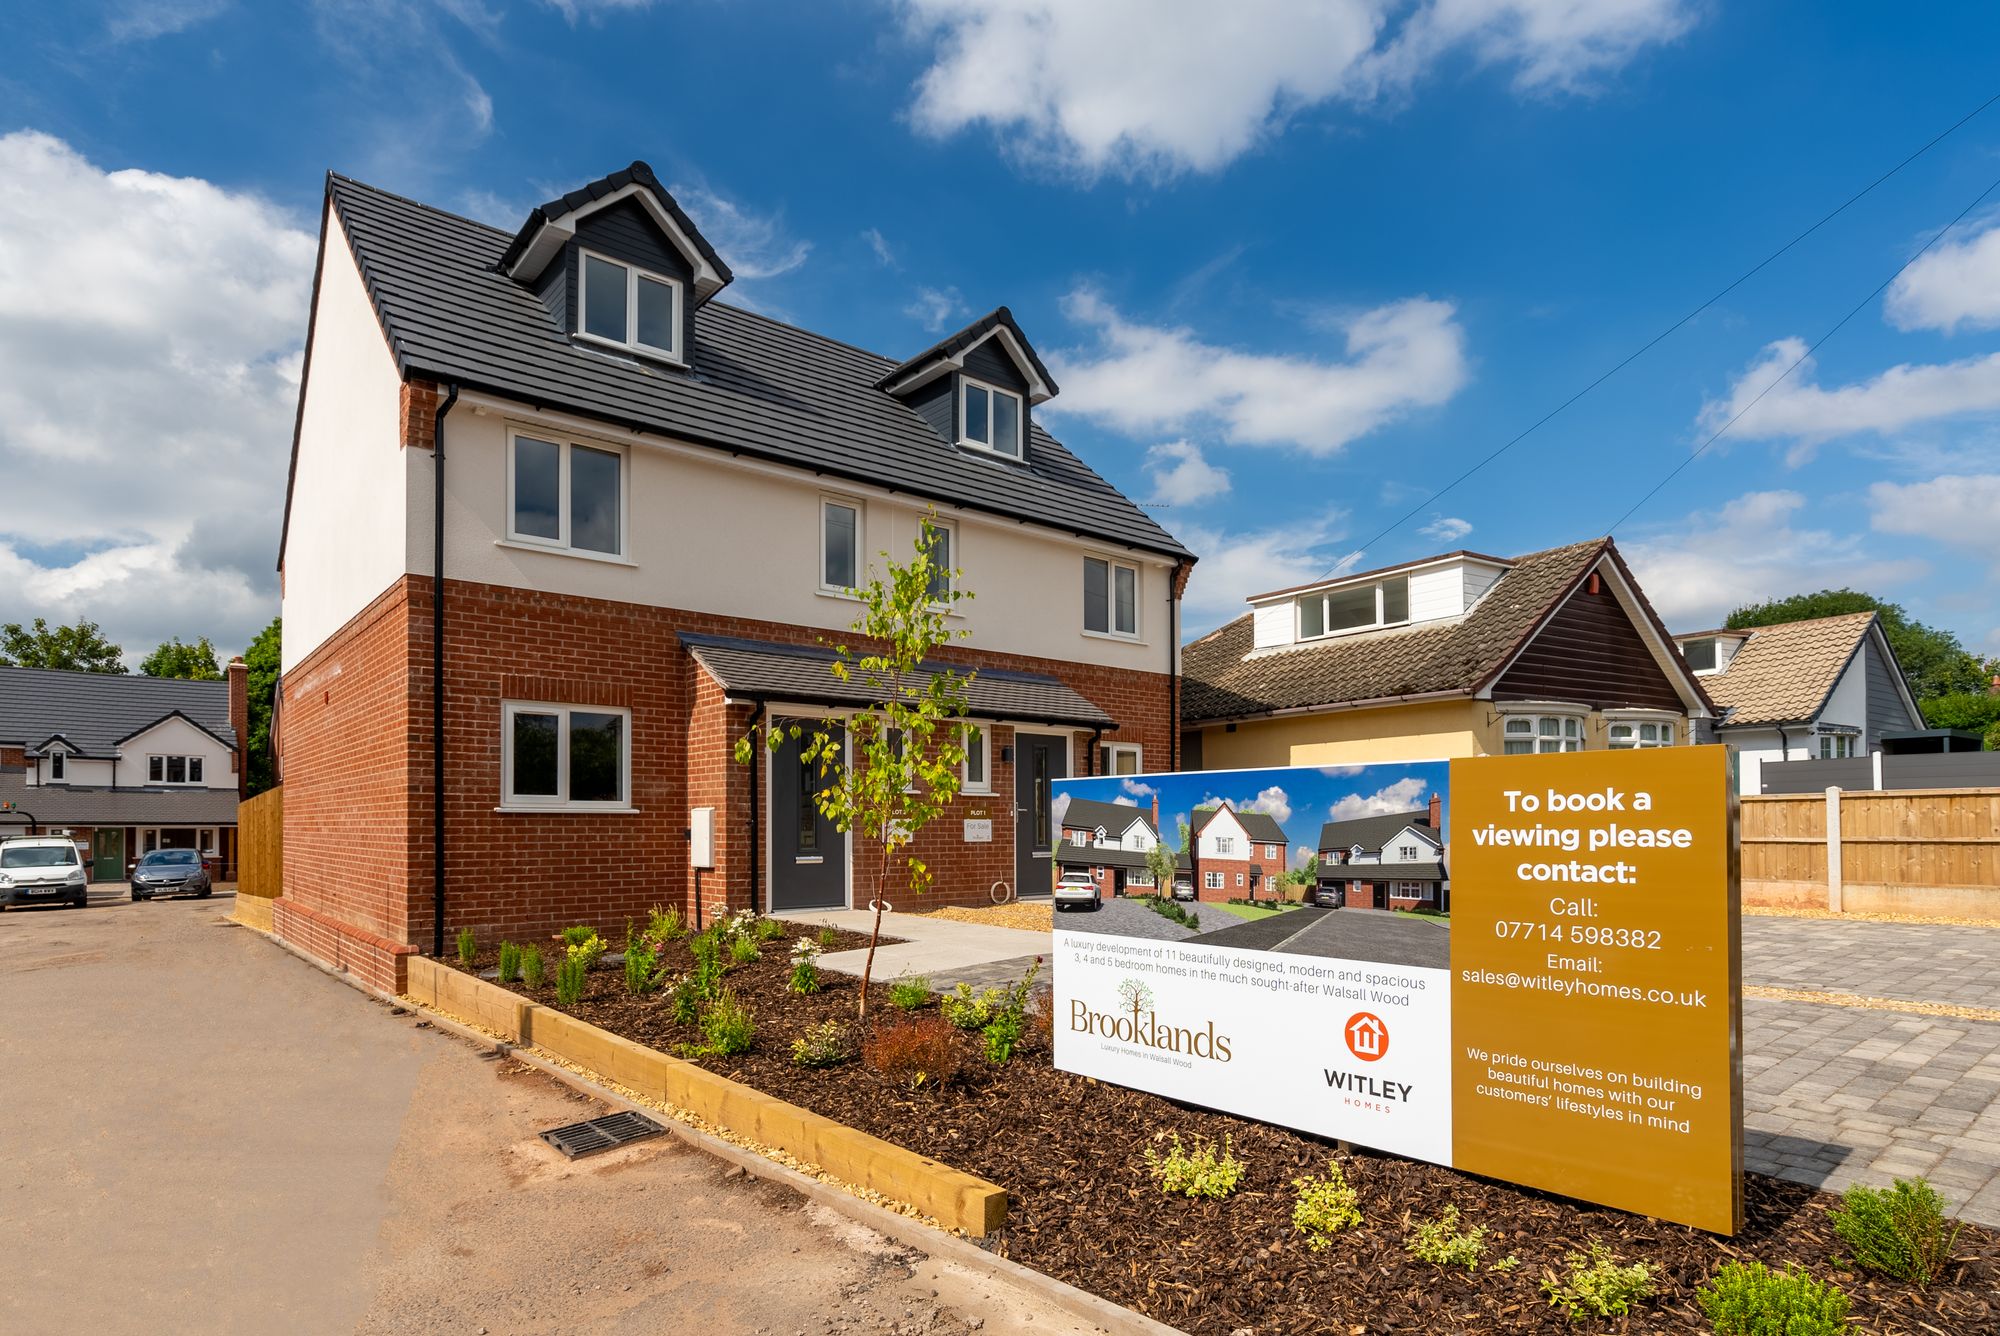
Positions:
{"x": 42, "y": 870}
{"x": 170, "y": 872}
{"x": 1076, "y": 888}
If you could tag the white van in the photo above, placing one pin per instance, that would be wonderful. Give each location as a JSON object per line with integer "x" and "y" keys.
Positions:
{"x": 42, "y": 870}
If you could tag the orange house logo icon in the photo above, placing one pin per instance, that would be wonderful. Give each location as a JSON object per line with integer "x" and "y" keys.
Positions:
{"x": 1367, "y": 1036}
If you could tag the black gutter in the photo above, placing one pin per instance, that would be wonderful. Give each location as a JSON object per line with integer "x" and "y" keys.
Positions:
{"x": 1090, "y": 761}
{"x": 437, "y": 671}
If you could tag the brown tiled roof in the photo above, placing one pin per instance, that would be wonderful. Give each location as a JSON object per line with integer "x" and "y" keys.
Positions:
{"x": 1784, "y": 673}
{"x": 1221, "y": 680}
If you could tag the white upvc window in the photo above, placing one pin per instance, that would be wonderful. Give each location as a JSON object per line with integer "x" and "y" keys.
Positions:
{"x": 990, "y": 417}
{"x": 1356, "y": 608}
{"x": 1239, "y": 880}
{"x": 943, "y": 552}
{"x": 1526, "y": 734}
{"x": 978, "y": 763}
{"x": 1701, "y": 654}
{"x": 1212, "y": 880}
{"x": 1270, "y": 851}
{"x": 1836, "y": 746}
{"x": 574, "y": 757}
{"x": 1110, "y": 598}
{"x": 1406, "y": 853}
{"x": 839, "y": 544}
{"x": 1121, "y": 758}
{"x": 566, "y": 494}
{"x": 629, "y": 307}
{"x": 173, "y": 769}
{"x": 1638, "y": 734}
{"x": 1225, "y": 844}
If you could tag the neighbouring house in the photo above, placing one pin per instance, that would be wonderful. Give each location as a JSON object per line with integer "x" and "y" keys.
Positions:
{"x": 1392, "y": 860}
{"x": 1237, "y": 854}
{"x": 562, "y": 525}
{"x": 1825, "y": 689}
{"x": 1110, "y": 841}
{"x": 124, "y": 764}
{"x": 1454, "y": 655}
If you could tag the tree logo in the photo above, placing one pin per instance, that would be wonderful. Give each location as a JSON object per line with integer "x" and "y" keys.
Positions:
{"x": 1367, "y": 1037}
{"x": 1135, "y": 997}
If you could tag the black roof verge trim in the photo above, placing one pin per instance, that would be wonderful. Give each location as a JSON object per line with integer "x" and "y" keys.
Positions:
{"x": 953, "y": 344}
{"x": 174, "y": 714}
{"x": 639, "y": 174}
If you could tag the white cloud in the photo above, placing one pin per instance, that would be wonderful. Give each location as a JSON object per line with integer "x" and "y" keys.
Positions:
{"x": 1147, "y": 378}
{"x": 1959, "y": 510}
{"x": 1156, "y": 87}
{"x": 754, "y": 245}
{"x": 1124, "y": 800}
{"x": 1952, "y": 284}
{"x": 1274, "y": 802}
{"x": 144, "y": 20}
{"x": 1303, "y": 854}
{"x": 885, "y": 254}
{"x": 1182, "y": 475}
{"x": 1405, "y": 795}
{"x": 1446, "y": 528}
{"x": 1800, "y": 410}
{"x": 575, "y": 10}
{"x": 1748, "y": 551}
{"x": 407, "y": 97}
{"x": 143, "y": 439}
{"x": 935, "y": 308}
{"x": 1138, "y": 789}
{"x": 1235, "y": 565}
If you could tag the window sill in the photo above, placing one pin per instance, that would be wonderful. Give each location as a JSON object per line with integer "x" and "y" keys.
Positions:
{"x": 825, "y": 591}
{"x": 988, "y": 452}
{"x": 565, "y": 809}
{"x": 1114, "y": 636}
{"x": 580, "y": 554}
{"x": 653, "y": 355}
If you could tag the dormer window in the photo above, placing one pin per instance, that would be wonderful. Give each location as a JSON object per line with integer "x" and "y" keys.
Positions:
{"x": 58, "y": 767}
{"x": 990, "y": 418}
{"x": 1700, "y": 654}
{"x": 629, "y": 307}
{"x": 1358, "y": 608}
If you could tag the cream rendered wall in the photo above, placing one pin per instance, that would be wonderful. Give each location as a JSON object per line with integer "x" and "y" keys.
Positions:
{"x": 346, "y": 538}
{"x": 176, "y": 737}
{"x": 708, "y": 534}
{"x": 77, "y": 772}
{"x": 1417, "y": 732}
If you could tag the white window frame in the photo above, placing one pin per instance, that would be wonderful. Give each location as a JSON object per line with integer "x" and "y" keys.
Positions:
{"x": 561, "y": 543}
{"x": 58, "y": 766}
{"x": 983, "y": 781}
{"x": 1225, "y": 846}
{"x": 1836, "y": 746}
{"x": 1112, "y": 566}
{"x": 560, "y": 801}
{"x": 1109, "y": 752}
{"x": 1212, "y": 881}
{"x": 1565, "y": 722}
{"x": 949, "y": 528}
{"x": 1239, "y": 881}
{"x": 633, "y": 273}
{"x": 1299, "y": 610}
{"x": 191, "y": 770}
{"x": 1634, "y": 740}
{"x": 1270, "y": 851}
{"x": 966, "y": 383}
{"x": 860, "y": 529}
{"x": 1714, "y": 655}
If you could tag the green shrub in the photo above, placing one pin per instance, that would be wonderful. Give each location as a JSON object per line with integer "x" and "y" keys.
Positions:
{"x": 768, "y": 930}
{"x": 665, "y": 925}
{"x": 969, "y": 1010}
{"x": 1205, "y": 1171}
{"x": 1745, "y": 1299}
{"x": 532, "y": 972}
{"x": 510, "y": 962}
{"x": 468, "y": 949}
{"x": 910, "y": 992}
{"x": 582, "y": 943}
{"x": 706, "y": 948}
{"x": 1901, "y": 1231}
{"x": 570, "y": 975}
{"x": 1002, "y": 1034}
{"x": 1324, "y": 1207}
{"x": 641, "y": 967}
{"x": 827, "y": 937}
{"x": 826, "y": 1044}
{"x": 805, "y": 967}
{"x": 577, "y": 934}
{"x": 684, "y": 1000}
{"x": 743, "y": 950}
{"x": 1596, "y": 1286}
{"x": 727, "y": 1026}
{"x": 1442, "y": 1243}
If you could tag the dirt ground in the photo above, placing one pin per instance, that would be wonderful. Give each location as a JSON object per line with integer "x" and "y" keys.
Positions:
{"x": 209, "y": 1135}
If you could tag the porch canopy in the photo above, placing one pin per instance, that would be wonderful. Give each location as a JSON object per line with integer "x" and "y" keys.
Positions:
{"x": 801, "y": 675}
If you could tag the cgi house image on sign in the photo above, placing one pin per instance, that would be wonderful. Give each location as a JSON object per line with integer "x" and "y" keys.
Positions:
{"x": 1521, "y": 966}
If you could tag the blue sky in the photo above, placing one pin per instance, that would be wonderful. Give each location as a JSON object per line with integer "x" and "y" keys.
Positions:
{"x": 1294, "y": 265}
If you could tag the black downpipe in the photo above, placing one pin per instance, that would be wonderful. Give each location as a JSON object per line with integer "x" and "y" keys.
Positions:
{"x": 756, "y": 772}
{"x": 1090, "y": 761}
{"x": 437, "y": 671}
{"x": 1173, "y": 675}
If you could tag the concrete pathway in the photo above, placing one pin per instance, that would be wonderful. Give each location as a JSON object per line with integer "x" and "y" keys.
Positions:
{"x": 1920, "y": 962}
{"x": 945, "y": 951}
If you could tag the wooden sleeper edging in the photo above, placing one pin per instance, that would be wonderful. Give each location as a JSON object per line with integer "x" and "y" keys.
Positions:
{"x": 955, "y": 1199}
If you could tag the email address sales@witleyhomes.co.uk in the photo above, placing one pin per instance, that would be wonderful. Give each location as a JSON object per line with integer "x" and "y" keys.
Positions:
{"x": 1572, "y": 987}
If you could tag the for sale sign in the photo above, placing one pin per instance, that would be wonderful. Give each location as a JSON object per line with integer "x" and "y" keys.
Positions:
{"x": 1526, "y": 967}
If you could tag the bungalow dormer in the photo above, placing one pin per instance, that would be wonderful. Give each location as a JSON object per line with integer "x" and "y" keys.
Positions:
{"x": 1711, "y": 651}
{"x": 978, "y": 387}
{"x": 1436, "y": 589}
{"x": 619, "y": 265}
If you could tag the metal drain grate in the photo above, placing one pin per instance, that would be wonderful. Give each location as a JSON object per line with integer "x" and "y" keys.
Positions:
{"x": 601, "y": 1134}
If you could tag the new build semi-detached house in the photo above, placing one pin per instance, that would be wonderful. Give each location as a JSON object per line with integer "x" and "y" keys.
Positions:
{"x": 647, "y": 507}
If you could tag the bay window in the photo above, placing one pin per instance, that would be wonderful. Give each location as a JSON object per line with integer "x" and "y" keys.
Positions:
{"x": 1527, "y": 734}
{"x": 1630, "y": 735}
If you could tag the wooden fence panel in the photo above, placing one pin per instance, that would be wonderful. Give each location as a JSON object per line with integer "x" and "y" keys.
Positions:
{"x": 1915, "y": 851}
{"x": 260, "y": 836}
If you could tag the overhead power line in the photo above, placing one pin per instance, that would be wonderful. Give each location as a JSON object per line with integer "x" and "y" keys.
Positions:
{"x": 1780, "y": 378}
{"x": 1670, "y": 330}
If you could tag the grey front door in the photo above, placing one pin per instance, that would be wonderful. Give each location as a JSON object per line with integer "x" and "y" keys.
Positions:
{"x": 808, "y": 855}
{"x": 1039, "y": 760}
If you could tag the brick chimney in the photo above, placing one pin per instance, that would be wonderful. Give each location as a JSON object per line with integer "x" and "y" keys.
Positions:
{"x": 238, "y": 673}
{"x": 1156, "y": 802}
{"x": 1436, "y": 817}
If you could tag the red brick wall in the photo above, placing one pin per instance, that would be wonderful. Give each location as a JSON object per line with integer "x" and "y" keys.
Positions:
{"x": 238, "y": 674}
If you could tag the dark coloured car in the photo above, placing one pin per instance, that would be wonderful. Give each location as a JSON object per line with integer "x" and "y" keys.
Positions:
{"x": 44, "y": 870}
{"x": 170, "y": 872}
{"x": 1327, "y": 896}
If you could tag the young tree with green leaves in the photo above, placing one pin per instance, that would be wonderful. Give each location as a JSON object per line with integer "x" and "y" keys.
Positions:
{"x": 263, "y": 660}
{"x": 79, "y": 648}
{"x": 192, "y": 663}
{"x": 1160, "y": 863}
{"x": 903, "y": 761}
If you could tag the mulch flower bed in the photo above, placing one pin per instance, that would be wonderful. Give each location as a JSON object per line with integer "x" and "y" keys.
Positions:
{"x": 1082, "y": 1208}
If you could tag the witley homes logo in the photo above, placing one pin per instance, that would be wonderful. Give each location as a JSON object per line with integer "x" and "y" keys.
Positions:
{"x": 1137, "y": 1022}
{"x": 1368, "y": 1040}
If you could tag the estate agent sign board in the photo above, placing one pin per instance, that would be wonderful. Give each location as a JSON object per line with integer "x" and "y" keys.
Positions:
{"x": 1570, "y": 1022}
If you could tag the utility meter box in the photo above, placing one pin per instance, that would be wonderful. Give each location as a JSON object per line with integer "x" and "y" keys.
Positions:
{"x": 701, "y": 836}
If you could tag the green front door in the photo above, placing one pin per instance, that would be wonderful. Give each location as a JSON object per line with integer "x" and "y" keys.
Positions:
{"x": 107, "y": 853}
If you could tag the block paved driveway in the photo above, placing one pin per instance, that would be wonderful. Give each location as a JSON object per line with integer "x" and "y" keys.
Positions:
{"x": 206, "y": 1134}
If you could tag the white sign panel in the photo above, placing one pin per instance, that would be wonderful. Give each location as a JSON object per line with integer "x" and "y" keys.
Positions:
{"x": 979, "y": 830}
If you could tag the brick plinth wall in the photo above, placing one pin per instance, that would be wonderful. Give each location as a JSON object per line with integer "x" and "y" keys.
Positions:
{"x": 358, "y": 769}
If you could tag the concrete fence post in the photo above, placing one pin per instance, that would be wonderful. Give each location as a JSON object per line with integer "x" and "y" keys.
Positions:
{"x": 1878, "y": 769}
{"x": 1833, "y": 876}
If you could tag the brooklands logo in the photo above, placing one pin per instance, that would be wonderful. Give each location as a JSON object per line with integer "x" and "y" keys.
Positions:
{"x": 1137, "y": 1022}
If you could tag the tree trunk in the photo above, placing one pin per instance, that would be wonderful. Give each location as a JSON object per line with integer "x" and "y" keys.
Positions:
{"x": 874, "y": 934}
